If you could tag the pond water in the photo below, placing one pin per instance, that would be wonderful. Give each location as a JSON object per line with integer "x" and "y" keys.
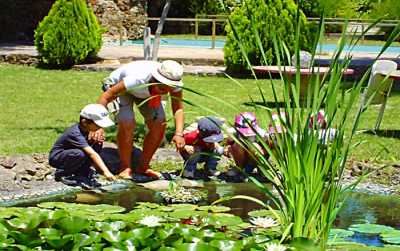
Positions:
{"x": 358, "y": 208}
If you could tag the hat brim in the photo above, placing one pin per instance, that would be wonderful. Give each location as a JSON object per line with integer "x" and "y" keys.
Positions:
{"x": 105, "y": 122}
{"x": 165, "y": 80}
{"x": 214, "y": 138}
{"x": 249, "y": 132}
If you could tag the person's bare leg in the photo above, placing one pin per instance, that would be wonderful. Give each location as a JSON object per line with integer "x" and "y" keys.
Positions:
{"x": 125, "y": 146}
{"x": 151, "y": 142}
{"x": 239, "y": 155}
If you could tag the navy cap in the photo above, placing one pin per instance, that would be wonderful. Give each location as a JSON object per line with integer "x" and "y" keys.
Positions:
{"x": 210, "y": 129}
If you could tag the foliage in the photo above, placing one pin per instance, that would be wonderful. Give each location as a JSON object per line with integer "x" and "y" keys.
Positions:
{"x": 333, "y": 8}
{"x": 264, "y": 18}
{"x": 210, "y": 7}
{"x": 386, "y": 9}
{"x": 68, "y": 35}
{"x": 304, "y": 167}
{"x": 64, "y": 226}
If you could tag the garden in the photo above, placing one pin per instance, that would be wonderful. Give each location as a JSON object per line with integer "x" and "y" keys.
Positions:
{"x": 316, "y": 192}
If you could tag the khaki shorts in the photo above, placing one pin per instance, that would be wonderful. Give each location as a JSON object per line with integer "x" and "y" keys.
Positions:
{"x": 126, "y": 112}
{"x": 123, "y": 106}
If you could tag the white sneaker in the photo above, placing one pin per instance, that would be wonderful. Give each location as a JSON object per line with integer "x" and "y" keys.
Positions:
{"x": 188, "y": 174}
{"x": 214, "y": 173}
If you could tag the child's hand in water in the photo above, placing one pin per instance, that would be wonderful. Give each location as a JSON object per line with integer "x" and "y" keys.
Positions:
{"x": 189, "y": 149}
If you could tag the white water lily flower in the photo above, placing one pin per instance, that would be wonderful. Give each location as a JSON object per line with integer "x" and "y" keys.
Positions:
{"x": 264, "y": 222}
{"x": 275, "y": 247}
{"x": 151, "y": 221}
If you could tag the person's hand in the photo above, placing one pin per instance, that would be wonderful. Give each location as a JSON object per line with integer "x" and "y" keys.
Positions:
{"x": 97, "y": 136}
{"x": 179, "y": 142}
{"x": 109, "y": 176}
{"x": 189, "y": 149}
{"x": 227, "y": 150}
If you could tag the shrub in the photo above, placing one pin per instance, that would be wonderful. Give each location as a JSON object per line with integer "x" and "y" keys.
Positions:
{"x": 264, "y": 16}
{"x": 68, "y": 35}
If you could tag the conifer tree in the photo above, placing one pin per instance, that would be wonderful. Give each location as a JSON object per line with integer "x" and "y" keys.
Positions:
{"x": 68, "y": 35}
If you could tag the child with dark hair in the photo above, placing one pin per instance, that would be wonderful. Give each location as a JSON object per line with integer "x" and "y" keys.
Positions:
{"x": 73, "y": 154}
{"x": 201, "y": 145}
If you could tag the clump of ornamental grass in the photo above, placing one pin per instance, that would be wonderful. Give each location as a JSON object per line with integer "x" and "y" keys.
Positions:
{"x": 304, "y": 167}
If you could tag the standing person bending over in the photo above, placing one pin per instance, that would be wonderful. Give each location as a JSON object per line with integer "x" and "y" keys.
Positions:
{"x": 143, "y": 83}
{"x": 73, "y": 153}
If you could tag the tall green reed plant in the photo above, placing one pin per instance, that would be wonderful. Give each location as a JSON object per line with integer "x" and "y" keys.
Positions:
{"x": 305, "y": 170}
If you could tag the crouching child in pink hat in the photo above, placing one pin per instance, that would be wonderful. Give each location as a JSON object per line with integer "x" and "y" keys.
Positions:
{"x": 247, "y": 130}
{"x": 73, "y": 153}
{"x": 201, "y": 146}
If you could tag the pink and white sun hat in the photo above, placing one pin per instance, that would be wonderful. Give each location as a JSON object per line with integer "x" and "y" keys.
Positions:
{"x": 246, "y": 124}
{"x": 321, "y": 120}
{"x": 276, "y": 126}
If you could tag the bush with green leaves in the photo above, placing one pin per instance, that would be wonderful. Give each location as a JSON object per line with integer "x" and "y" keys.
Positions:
{"x": 253, "y": 23}
{"x": 68, "y": 35}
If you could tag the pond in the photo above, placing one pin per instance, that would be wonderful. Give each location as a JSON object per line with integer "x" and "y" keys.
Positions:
{"x": 358, "y": 208}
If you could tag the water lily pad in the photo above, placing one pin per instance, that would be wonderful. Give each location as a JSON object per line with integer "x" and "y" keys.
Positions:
{"x": 370, "y": 228}
{"x": 391, "y": 237}
{"x": 340, "y": 233}
{"x": 184, "y": 206}
{"x": 263, "y": 213}
{"x": 181, "y": 214}
{"x": 147, "y": 205}
{"x": 220, "y": 220}
{"x": 215, "y": 209}
{"x": 227, "y": 245}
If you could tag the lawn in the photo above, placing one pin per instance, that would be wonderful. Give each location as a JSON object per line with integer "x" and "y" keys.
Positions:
{"x": 37, "y": 105}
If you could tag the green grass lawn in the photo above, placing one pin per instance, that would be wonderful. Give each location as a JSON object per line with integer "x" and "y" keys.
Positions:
{"x": 37, "y": 105}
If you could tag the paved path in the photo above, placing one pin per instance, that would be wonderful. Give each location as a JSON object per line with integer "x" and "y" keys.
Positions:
{"x": 198, "y": 61}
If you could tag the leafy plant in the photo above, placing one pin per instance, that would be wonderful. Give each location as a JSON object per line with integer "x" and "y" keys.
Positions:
{"x": 68, "y": 35}
{"x": 304, "y": 167}
{"x": 148, "y": 227}
{"x": 268, "y": 17}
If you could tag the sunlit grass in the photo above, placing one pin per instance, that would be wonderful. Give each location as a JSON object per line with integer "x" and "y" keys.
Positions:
{"x": 37, "y": 105}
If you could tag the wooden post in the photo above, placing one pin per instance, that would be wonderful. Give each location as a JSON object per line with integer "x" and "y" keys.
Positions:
{"x": 196, "y": 28}
{"x": 160, "y": 26}
{"x": 213, "y": 33}
{"x": 147, "y": 43}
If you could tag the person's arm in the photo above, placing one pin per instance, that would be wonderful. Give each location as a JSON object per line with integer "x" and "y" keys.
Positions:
{"x": 98, "y": 162}
{"x": 105, "y": 98}
{"x": 112, "y": 93}
{"x": 177, "y": 110}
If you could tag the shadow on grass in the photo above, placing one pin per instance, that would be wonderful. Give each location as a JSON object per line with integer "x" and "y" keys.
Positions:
{"x": 385, "y": 133}
{"x": 271, "y": 104}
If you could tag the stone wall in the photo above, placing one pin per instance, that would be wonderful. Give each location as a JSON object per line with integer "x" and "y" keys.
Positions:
{"x": 126, "y": 18}
{"x": 19, "y": 18}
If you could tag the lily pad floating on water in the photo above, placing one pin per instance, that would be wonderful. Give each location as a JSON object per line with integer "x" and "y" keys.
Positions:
{"x": 263, "y": 213}
{"x": 337, "y": 236}
{"x": 101, "y": 208}
{"x": 391, "y": 237}
{"x": 340, "y": 233}
{"x": 215, "y": 209}
{"x": 370, "y": 228}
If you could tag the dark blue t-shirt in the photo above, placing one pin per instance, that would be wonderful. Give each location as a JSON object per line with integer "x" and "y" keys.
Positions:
{"x": 72, "y": 138}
